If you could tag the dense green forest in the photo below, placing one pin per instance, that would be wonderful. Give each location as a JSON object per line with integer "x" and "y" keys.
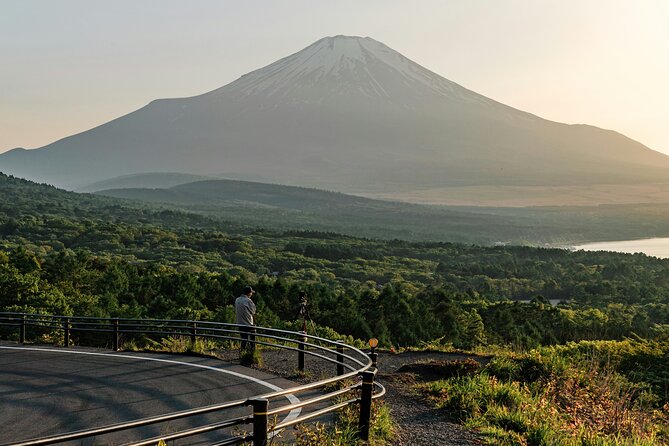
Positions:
{"x": 72, "y": 253}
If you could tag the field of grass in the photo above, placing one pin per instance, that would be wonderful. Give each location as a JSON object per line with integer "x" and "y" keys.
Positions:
{"x": 582, "y": 394}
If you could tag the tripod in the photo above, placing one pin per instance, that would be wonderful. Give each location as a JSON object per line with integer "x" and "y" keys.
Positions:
{"x": 304, "y": 312}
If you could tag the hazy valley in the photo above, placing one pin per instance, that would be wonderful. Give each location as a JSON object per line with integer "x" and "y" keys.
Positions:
{"x": 288, "y": 207}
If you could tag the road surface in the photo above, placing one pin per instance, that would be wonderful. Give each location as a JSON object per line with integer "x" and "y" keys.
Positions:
{"x": 48, "y": 390}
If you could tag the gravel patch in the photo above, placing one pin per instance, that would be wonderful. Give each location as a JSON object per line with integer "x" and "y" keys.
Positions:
{"x": 417, "y": 422}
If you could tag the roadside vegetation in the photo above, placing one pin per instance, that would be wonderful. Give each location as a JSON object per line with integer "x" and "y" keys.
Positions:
{"x": 344, "y": 431}
{"x": 610, "y": 393}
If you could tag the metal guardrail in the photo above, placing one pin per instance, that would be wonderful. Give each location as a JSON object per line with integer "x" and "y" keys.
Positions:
{"x": 361, "y": 367}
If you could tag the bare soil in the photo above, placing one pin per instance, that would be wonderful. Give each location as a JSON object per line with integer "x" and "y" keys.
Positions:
{"x": 418, "y": 422}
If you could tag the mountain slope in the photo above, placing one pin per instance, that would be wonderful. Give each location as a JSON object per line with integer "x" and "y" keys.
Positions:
{"x": 349, "y": 114}
{"x": 288, "y": 208}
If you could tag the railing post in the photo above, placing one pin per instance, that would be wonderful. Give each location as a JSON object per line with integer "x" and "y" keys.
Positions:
{"x": 260, "y": 407}
{"x": 66, "y": 332}
{"x": 374, "y": 357}
{"x": 340, "y": 358}
{"x": 300, "y": 353}
{"x": 193, "y": 332}
{"x": 22, "y": 330}
{"x": 366, "y": 404}
{"x": 116, "y": 334}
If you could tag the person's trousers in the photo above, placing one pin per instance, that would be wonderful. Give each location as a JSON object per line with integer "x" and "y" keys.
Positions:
{"x": 246, "y": 333}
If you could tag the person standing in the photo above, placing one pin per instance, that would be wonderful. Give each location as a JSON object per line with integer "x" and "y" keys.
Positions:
{"x": 245, "y": 311}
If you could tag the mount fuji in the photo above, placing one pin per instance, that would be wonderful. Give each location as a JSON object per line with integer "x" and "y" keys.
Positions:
{"x": 347, "y": 114}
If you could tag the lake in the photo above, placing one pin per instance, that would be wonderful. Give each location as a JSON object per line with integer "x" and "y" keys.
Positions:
{"x": 657, "y": 247}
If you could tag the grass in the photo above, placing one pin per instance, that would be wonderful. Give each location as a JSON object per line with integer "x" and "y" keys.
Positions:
{"x": 200, "y": 347}
{"x": 544, "y": 398}
{"x": 344, "y": 432}
{"x": 177, "y": 344}
{"x": 249, "y": 358}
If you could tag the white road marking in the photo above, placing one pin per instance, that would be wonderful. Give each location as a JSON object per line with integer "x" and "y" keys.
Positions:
{"x": 292, "y": 398}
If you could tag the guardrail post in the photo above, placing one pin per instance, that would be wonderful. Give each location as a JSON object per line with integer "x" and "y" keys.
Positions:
{"x": 374, "y": 357}
{"x": 300, "y": 353}
{"x": 66, "y": 332}
{"x": 260, "y": 407}
{"x": 193, "y": 332}
{"x": 116, "y": 334}
{"x": 340, "y": 358}
{"x": 22, "y": 330}
{"x": 366, "y": 404}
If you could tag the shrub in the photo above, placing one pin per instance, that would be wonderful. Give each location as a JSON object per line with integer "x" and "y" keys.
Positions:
{"x": 544, "y": 398}
{"x": 249, "y": 358}
{"x": 345, "y": 430}
{"x": 433, "y": 370}
{"x": 503, "y": 367}
{"x": 540, "y": 436}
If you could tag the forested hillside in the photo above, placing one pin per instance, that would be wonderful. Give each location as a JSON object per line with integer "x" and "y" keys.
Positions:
{"x": 71, "y": 253}
{"x": 280, "y": 207}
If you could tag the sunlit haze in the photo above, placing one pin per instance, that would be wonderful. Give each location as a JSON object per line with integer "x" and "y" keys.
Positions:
{"x": 71, "y": 65}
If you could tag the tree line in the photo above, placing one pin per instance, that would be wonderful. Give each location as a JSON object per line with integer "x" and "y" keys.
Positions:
{"x": 79, "y": 254}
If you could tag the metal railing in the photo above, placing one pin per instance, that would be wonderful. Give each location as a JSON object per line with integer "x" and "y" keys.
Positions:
{"x": 357, "y": 382}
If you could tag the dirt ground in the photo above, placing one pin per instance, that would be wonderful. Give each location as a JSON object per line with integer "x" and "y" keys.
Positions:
{"x": 417, "y": 422}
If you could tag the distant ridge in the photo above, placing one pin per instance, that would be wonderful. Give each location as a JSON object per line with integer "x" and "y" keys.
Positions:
{"x": 347, "y": 114}
{"x": 156, "y": 180}
{"x": 248, "y": 207}
{"x": 288, "y": 208}
{"x": 219, "y": 192}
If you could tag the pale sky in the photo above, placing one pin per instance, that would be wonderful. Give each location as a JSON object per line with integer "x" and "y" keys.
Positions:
{"x": 69, "y": 65}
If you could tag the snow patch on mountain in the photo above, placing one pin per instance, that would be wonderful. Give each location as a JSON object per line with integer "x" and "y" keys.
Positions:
{"x": 346, "y": 66}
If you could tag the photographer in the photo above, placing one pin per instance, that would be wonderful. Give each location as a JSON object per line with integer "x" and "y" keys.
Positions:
{"x": 245, "y": 311}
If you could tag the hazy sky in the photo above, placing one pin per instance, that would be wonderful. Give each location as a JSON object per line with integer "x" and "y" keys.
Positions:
{"x": 69, "y": 65}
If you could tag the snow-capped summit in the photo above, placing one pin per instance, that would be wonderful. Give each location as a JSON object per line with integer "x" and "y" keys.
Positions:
{"x": 348, "y": 114}
{"x": 348, "y": 66}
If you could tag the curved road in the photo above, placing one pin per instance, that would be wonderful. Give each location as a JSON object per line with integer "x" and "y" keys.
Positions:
{"x": 46, "y": 391}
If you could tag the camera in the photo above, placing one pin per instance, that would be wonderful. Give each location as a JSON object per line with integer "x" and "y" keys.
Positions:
{"x": 303, "y": 303}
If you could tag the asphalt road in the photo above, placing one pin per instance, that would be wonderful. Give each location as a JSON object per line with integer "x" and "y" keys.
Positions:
{"x": 46, "y": 391}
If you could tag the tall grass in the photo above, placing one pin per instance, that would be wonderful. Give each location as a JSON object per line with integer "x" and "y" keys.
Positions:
{"x": 547, "y": 398}
{"x": 344, "y": 432}
{"x": 177, "y": 344}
